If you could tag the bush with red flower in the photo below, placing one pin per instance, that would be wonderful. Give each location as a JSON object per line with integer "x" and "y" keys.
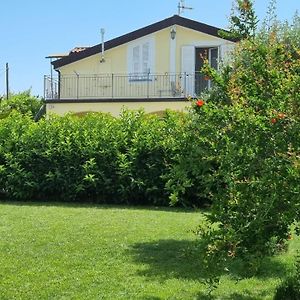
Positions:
{"x": 248, "y": 137}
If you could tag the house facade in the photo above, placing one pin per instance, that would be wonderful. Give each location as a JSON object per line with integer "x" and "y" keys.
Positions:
{"x": 155, "y": 67}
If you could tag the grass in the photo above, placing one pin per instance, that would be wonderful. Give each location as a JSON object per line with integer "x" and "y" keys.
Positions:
{"x": 57, "y": 251}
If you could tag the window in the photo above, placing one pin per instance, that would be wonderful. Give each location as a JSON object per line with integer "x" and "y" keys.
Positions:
{"x": 136, "y": 59}
{"x": 145, "y": 58}
{"x": 214, "y": 57}
{"x": 140, "y": 61}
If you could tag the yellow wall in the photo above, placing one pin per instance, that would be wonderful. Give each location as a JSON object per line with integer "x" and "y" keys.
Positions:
{"x": 115, "y": 108}
{"x": 115, "y": 62}
{"x": 116, "y": 58}
{"x": 162, "y": 46}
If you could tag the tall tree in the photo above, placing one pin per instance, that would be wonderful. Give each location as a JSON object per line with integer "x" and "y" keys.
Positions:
{"x": 243, "y": 21}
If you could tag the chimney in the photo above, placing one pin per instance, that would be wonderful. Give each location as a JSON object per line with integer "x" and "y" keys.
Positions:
{"x": 102, "y": 39}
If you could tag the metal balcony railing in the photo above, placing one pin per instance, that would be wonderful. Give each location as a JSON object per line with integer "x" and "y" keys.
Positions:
{"x": 119, "y": 86}
{"x": 51, "y": 87}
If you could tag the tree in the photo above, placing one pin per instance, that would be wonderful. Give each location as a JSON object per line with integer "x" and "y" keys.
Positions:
{"x": 251, "y": 122}
{"x": 243, "y": 21}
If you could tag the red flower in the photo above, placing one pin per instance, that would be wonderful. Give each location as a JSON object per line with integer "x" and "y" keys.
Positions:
{"x": 281, "y": 115}
{"x": 273, "y": 120}
{"x": 200, "y": 103}
{"x": 206, "y": 77}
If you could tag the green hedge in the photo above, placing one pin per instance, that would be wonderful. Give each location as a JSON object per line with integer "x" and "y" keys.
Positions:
{"x": 131, "y": 159}
{"x": 22, "y": 102}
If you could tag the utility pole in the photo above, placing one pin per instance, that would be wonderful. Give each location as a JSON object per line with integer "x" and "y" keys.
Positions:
{"x": 7, "y": 81}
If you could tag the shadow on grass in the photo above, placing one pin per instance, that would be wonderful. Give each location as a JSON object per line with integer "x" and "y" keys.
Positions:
{"x": 235, "y": 296}
{"x": 205, "y": 296}
{"x": 101, "y": 206}
{"x": 172, "y": 259}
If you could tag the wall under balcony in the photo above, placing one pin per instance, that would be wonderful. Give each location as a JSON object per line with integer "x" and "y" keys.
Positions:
{"x": 114, "y": 107}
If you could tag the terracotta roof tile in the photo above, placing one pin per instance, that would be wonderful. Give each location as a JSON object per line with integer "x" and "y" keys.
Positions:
{"x": 78, "y": 49}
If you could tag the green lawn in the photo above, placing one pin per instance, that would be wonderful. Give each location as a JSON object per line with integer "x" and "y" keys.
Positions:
{"x": 58, "y": 251}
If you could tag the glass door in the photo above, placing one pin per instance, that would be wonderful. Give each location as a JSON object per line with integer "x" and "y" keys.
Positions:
{"x": 202, "y": 82}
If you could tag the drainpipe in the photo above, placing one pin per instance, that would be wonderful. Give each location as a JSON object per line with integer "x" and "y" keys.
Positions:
{"x": 77, "y": 84}
{"x": 59, "y": 83}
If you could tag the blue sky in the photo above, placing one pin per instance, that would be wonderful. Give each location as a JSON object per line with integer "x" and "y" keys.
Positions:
{"x": 31, "y": 29}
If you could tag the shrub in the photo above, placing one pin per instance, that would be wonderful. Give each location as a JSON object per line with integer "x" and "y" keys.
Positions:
{"x": 191, "y": 179}
{"x": 62, "y": 157}
{"x": 149, "y": 147}
{"x": 256, "y": 196}
{"x": 251, "y": 124}
{"x": 290, "y": 288}
{"x": 97, "y": 157}
{"x": 22, "y": 102}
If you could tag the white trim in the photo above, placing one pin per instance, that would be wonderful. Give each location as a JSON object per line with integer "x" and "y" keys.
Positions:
{"x": 210, "y": 61}
{"x": 205, "y": 44}
{"x": 211, "y": 43}
{"x": 172, "y": 67}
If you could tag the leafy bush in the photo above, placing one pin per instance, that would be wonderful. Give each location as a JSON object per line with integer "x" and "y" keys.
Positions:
{"x": 257, "y": 172}
{"x": 97, "y": 157}
{"x": 251, "y": 122}
{"x": 150, "y": 144}
{"x": 22, "y": 102}
{"x": 290, "y": 288}
{"x": 191, "y": 178}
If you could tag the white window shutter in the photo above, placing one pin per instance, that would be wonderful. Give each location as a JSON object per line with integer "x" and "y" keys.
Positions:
{"x": 188, "y": 70}
{"x": 226, "y": 52}
{"x": 136, "y": 59}
{"x": 140, "y": 56}
{"x": 145, "y": 58}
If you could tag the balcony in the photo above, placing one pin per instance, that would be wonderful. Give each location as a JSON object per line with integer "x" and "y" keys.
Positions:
{"x": 123, "y": 86}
